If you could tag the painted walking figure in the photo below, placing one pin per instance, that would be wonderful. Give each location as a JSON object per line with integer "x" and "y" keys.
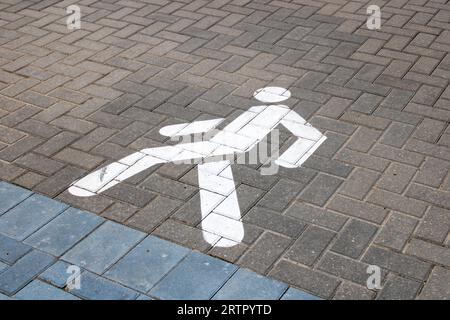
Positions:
{"x": 221, "y": 216}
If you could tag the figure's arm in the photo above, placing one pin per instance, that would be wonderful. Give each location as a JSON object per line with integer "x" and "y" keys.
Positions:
{"x": 184, "y": 129}
{"x": 308, "y": 140}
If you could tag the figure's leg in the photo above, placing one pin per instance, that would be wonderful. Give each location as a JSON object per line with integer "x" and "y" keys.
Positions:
{"x": 221, "y": 215}
{"x": 110, "y": 175}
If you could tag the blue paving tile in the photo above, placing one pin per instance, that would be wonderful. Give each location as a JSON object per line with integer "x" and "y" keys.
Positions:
{"x": 57, "y": 274}
{"x": 23, "y": 271}
{"x": 144, "y": 297}
{"x": 3, "y": 297}
{"x": 63, "y": 232}
{"x": 38, "y": 290}
{"x": 11, "y": 250}
{"x": 295, "y": 294}
{"x": 2, "y": 266}
{"x": 30, "y": 215}
{"x": 146, "y": 264}
{"x": 94, "y": 287}
{"x": 197, "y": 277}
{"x": 103, "y": 247}
{"x": 248, "y": 285}
{"x": 10, "y": 196}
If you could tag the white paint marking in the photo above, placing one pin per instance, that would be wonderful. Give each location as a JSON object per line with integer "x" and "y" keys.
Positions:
{"x": 221, "y": 215}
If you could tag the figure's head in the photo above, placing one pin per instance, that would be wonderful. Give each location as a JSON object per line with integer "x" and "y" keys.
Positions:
{"x": 272, "y": 94}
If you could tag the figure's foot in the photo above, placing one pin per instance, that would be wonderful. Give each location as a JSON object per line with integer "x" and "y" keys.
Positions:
{"x": 272, "y": 94}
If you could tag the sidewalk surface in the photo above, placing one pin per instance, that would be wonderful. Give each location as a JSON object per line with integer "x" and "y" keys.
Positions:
{"x": 376, "y": 192}
{"x": 41, "y": 238}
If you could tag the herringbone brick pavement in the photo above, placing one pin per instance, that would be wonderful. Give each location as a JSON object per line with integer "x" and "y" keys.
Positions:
{"x": 376, "y": 192}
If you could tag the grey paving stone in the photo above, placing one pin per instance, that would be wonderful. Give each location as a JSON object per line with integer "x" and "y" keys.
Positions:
{"x": 427, "y": 95}
{"x": 398, "y": 155}
{"x": 59, "y": 181}
{"x": 76, "y": 157}
{"x": 121, "y": 104}
{"x": 398, "y": 202}
{"x": 282, "y": 193}
{"x": 429, "y": 251}
{"x": 131, "y": 194}
{"x": 273, "y": 221}
{"x": 154, "y": 213}
{"x": 366, "y": 103}
{"x": 320, "y": 189}
{"x": 168, "y": 187}
{"x": 57, "y": 143}
{"x": 397, "y": 134}
{"x": 330, "y": 166}
{"x": 431, "y": 172}
{"x": 396, "y": 178}
{"x": 363, "y": 139}
{"x": 346, "y": 268}
{"x": 362, "y": 159}
{"x": 399, "y": 288}
{"x": 397, "y": 99}
{"x": 316, "y": 216}
{"x": 359, "y": 183}
{"x": 180, "y": 233}
{"x": 39, "y": 163}
{"x": 397, "y": 262}
{"x": 264, "y": 252}
{"x": 396, "y": 232}
{"x": 311, "y": 244}
{"x": 19, "y": 148}
{"x": 363, "y": 210}
{"x": 96, "y": 205}
{"x": 435, "y": 225}
{"x": 437, "y": 287}
{"x": 354, "y": 238}
{"x": 350, "y": 291}
{"x": 429, "y": 130}
{"x": 313, "y": 281}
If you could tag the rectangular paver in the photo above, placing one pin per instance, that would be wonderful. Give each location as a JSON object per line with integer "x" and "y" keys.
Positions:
{"x": 11, "y": 250}
{"x": 197, "y": 277}
{"x": 147, "y": 263}
{"x": 64, "y": 231}
{"x": 93, "y": 287}
{"x": 103, "y": 247}
{"x": 248, "y": 285}
{"x": 29, "y": 216}
{"x": 11, "y": 195}
{"x": 38, "y": 290}
{"x": 24, "y": 270}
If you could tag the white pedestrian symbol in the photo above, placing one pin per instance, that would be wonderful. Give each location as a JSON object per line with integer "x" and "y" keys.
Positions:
{"x": 221, "y": 215}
